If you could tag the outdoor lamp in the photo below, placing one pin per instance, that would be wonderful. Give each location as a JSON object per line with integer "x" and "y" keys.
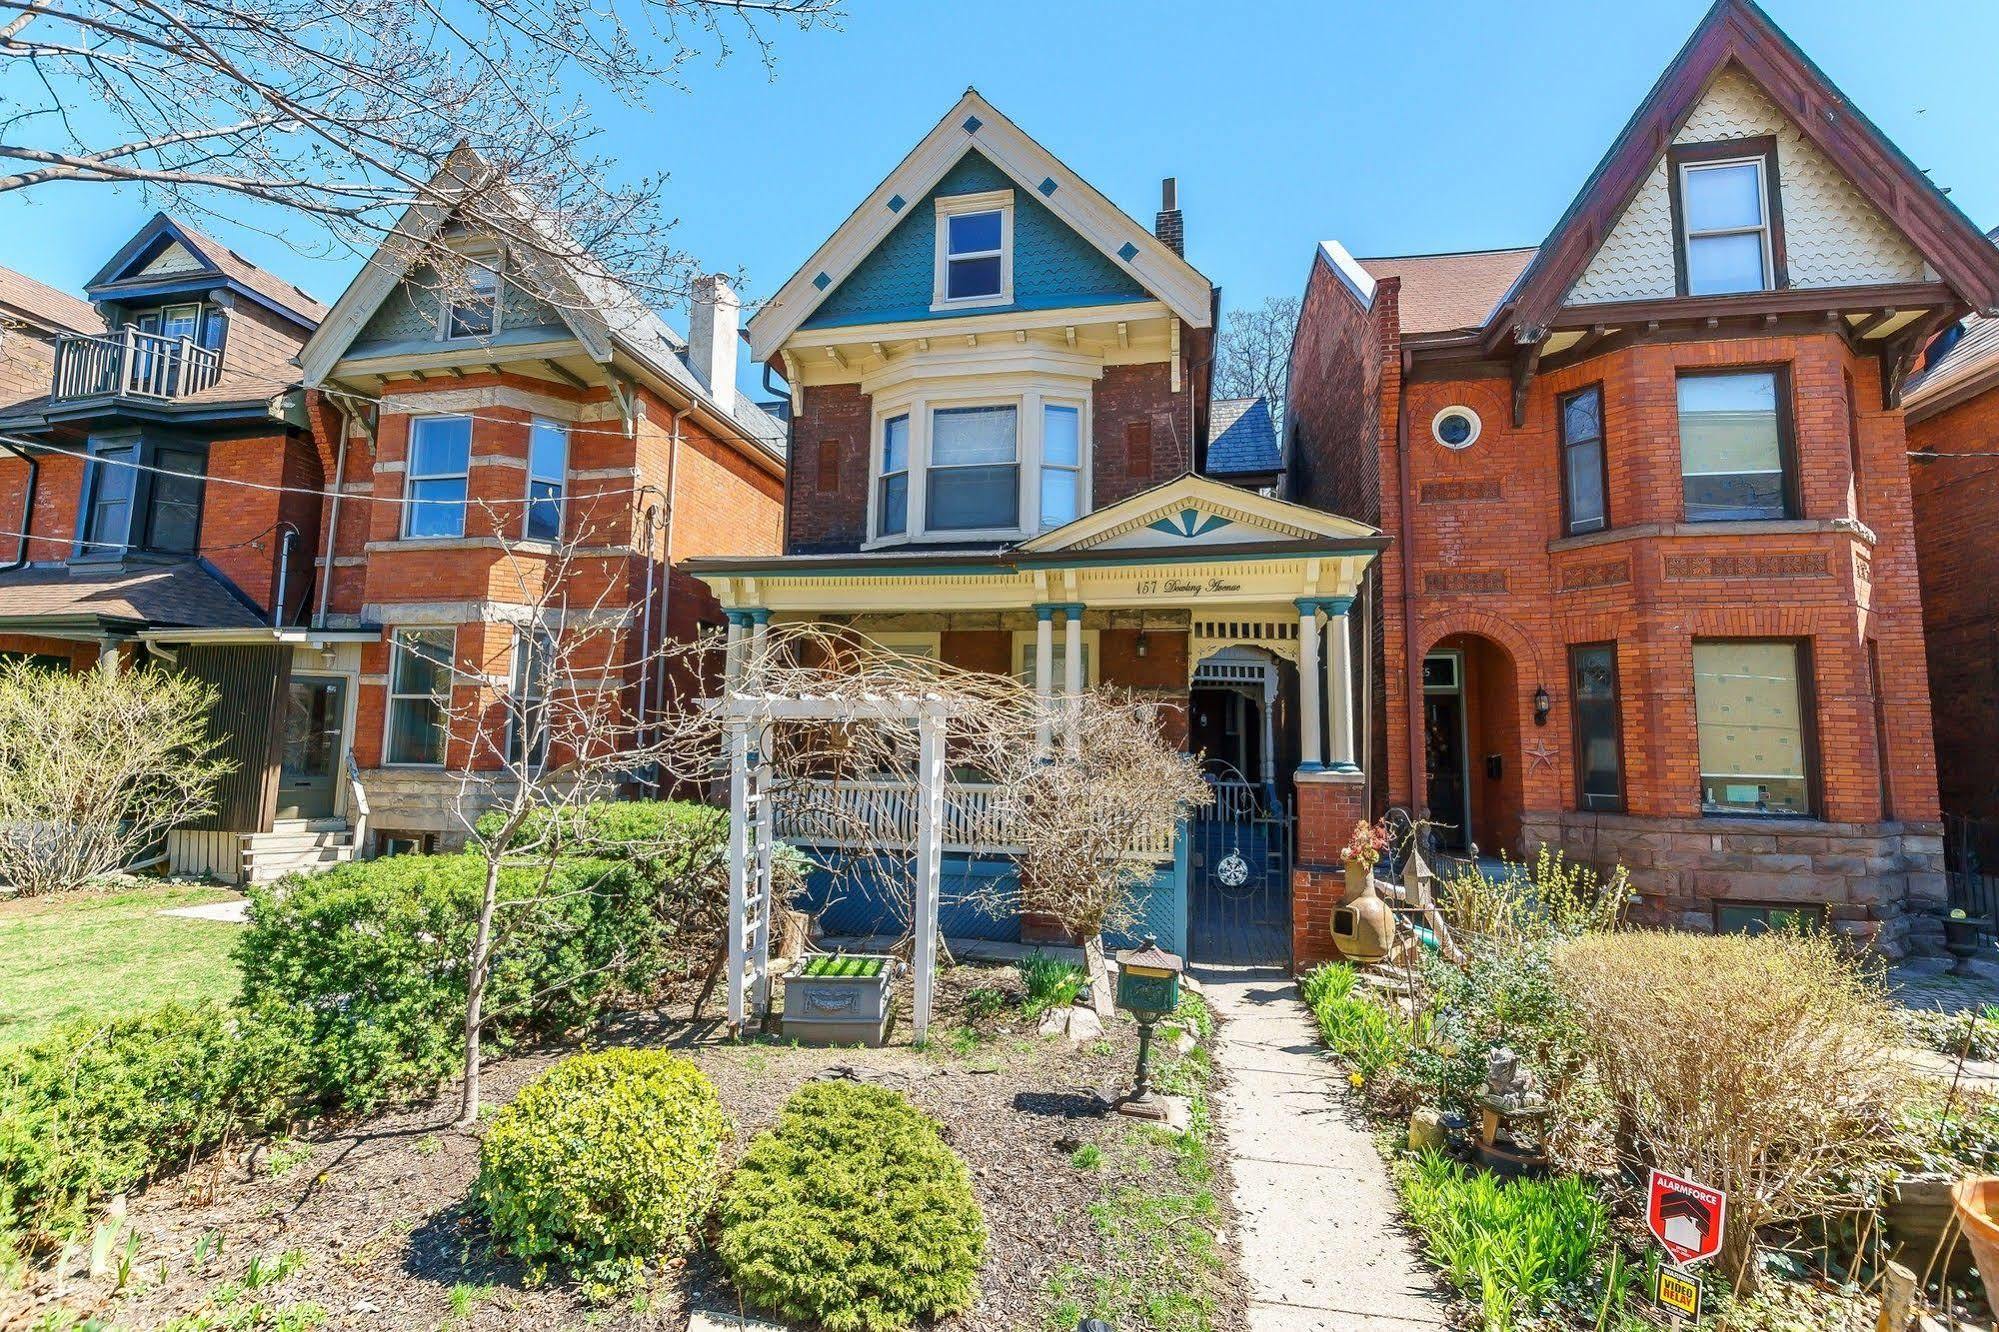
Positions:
{"x": 1543, "y": 705}
{"x": 1141, "y": 642}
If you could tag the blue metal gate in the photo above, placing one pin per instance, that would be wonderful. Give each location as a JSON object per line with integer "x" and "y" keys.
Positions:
{"x": 1239, "y": 878}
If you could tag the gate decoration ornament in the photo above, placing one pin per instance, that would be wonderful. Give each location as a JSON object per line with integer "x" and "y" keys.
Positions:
{"x": 1233, "y": 871}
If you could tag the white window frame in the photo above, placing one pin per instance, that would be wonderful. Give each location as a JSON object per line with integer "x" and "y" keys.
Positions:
{"x": 926, "y": 645}
{"x": 1027, "y": 400}
{"x": 988, "y": 201}
{"x": 411, "y": 476}
{"x": 1688, "y": 235}
{"x": 878, "y": 478}
{"x": 560, "y": 480}
{"x": 1043, "y": 466}
{"x": 486, "y": 261}
{"x": 390, "y": 696}
{"x": 1093, "y": 657}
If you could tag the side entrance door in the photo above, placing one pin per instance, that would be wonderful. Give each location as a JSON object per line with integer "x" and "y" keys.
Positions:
{"x": 315, "y": 713}
{"x": 1444, "y": 749}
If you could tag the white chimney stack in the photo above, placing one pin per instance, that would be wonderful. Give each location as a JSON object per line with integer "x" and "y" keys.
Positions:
{"x": 713, "y": 318}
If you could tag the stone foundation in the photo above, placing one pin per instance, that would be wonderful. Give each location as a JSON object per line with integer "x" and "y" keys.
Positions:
{"x": 1881, "y": 884}
{"x": 1329, "y": 804}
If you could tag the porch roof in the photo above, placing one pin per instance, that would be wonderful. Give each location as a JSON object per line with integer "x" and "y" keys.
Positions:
{"x": 111, "y": 600}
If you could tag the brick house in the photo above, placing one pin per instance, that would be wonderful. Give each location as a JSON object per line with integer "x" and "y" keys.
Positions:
{"x": 1654, "y": 582}
{"x": 1953, "y": 425}
{"x": 1001, "y": 432}
{"x": 478, "y": 435}
{"x": 32, "y": 316}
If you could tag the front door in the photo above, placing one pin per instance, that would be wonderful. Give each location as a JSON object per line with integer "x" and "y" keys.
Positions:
{"x": 1444, "y": 750}
{"x": 315, "y": 712}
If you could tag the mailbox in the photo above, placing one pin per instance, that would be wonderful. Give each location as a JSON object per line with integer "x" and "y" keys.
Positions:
{"x": 1148, "y": 980}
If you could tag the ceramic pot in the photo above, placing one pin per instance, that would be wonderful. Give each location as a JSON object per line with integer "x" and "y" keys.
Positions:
{"x": 1364, "y": 926}
{"x": 1977, "y": 1203}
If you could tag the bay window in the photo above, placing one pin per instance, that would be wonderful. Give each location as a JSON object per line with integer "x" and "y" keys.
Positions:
{"x": 892, "y": 505}
{"x": 1584, "y": 470}
{"x": 1752, "y": 704}
{"x": 1061, "y": 465}
{"x": 420, "y": 668}
{"x": 1599, "y": 731}
{"x": 143, "y": 495}
{"x": 1735, "y": 446}
{"x": 440, "y": 461}
{"x": 973, "y": 478}
{"x": 108, "y": 524}
{"x": 528, "y": 723}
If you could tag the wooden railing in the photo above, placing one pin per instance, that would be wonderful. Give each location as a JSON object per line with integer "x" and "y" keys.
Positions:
{"x": 882, "y": 815}
{"x": 132, "y": 364}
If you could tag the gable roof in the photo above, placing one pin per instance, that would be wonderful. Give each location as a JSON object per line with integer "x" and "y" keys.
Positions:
{"x": 124, "y": 274}
{"x": 1966, "y": 368}
{"x": 1737, "y": 32}
{"x": 604, "y": 314}
{"x": 1242, "y": 439}
{"x": 973, "y": 122}
{"x": 24, "y": 299}
{"x": 1450, "y": 293}
{"x": 1166, "y": 506}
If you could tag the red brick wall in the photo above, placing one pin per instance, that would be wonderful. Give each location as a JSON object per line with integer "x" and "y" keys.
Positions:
{"x": 1141, "y": 432}
{"x": 1956, "y": 506}
{"x": 826, "y": 495}
{"x": 1327, "y": 813}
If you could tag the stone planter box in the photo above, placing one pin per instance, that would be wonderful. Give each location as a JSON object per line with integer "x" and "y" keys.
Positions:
{"x": 839, "y": 999}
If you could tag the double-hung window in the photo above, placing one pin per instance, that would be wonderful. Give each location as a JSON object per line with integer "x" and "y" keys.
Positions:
{"x": 1061, "y": 465}
{"x": 472, "y": 304}
{"x": 973, "y": 476}
{"x": 1599, "y": 734}
{"x": 529, "y": 725}
{"x": 974, "y": 250}
{"x": 548, "y": 468}
{"x": 173, "y": 516}
{"x": 1585, "y": 503}
{"x": 142, "y": 495}
{"x": 1752, "y": 701}
{"x": 440, "y": 461}
{"x": 1726, "y": 232}
{"x": 108, "y": 528}
{"x": 419, "y": 695}
{"x": 1735, "y": 447}
{"x": 892, "y": 503}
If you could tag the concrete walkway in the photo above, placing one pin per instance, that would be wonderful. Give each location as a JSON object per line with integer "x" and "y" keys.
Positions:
{"x": 1320, "y": 1243}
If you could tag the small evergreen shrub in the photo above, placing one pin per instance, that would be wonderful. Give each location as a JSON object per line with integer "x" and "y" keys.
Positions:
{"x": 617, "y": 829}
{"x": 605, "y": 1162}
{"x": 852, "y": 1214}
{"x": 365, "y": 964}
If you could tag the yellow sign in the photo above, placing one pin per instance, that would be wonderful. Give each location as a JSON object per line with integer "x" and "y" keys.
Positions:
{"x": 1679, "y": 1293}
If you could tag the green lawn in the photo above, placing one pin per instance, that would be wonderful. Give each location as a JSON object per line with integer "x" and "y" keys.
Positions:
{"x": 93, "y": 952}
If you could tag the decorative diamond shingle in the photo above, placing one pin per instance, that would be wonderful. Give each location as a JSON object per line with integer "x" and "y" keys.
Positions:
{"x": 1048, "y": 187}
{"x": 972, "y": 124}
{"x": 1127, "y": 252}
{"x": 897, "y": 203}
{"x": 822, "y": 282}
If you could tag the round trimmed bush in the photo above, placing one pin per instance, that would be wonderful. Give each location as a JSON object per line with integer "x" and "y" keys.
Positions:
{"x": 605, "y": 1158}
{"x": 852, "y": 1213}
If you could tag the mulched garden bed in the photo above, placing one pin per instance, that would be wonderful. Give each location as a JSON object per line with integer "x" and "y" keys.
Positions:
{"x": 377, "y": 1210}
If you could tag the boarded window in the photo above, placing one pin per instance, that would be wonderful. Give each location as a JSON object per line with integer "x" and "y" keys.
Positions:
{"x": 829, "y": 466}
{"x": 1138, "y": 449}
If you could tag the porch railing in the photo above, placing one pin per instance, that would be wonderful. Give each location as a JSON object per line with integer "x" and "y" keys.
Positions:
{"x": 133, "y": 364}
{"x": 882, "y": 815}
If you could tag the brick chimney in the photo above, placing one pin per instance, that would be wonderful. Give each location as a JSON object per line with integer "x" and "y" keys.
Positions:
{"x": 713, "y": 317}
{"x": 1170, "y": 226}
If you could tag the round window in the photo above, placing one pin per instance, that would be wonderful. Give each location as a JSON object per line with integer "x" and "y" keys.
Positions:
{"x": 1455, "y": 427}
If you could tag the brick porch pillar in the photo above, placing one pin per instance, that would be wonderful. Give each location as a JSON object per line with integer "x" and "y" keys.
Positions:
{"x": 1329, "y": 804}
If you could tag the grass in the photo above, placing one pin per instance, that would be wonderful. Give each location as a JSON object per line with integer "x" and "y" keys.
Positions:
{"x": 94, "y": 952}
{"x": 843, "y": 964}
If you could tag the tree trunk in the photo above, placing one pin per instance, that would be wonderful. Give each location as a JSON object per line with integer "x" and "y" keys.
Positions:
{"x": 475, "y": 992}
{"x": 1102, "y": 996}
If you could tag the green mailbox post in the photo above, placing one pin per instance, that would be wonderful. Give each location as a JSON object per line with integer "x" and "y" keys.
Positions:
{"x": 1148, "y": 987}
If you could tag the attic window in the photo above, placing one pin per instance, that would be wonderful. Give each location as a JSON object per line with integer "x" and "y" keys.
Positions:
{"x": 1730, "y": 230}
{"x": 974, "y": 250}
{"x": 472, "y": 304}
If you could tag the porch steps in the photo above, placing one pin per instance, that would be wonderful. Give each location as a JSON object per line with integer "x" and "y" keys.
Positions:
{"x": 293, "y": 845}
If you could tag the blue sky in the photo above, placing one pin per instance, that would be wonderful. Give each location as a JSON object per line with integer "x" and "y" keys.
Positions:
{"x": 1396, "y": 128}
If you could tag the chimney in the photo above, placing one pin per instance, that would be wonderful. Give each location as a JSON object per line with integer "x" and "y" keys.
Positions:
{"x": 712, "y": 320}
{"x": 1170, "y": 226}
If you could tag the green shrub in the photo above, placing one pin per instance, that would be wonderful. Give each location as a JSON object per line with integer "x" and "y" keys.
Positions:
{"x": 605, "y": 1161}
{"x": 97, "y": 1108}
{"x": 616, "y": 829}
{"x": 852, "y": 1213}
{"x": 1510, "y": 1245}
{"x": 365, "y": 964}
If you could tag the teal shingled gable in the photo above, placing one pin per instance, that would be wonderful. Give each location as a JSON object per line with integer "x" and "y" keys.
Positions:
{"x": 1053, "y": 267}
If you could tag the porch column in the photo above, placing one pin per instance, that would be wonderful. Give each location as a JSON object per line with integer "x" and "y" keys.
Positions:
{"x": 759, "y": 638}
{"x": 1268, "y": 775}
{"x": 1308, "y": 685}
{"x": 732, "y": 651}
{"x": 1072, "y": 674}
{"x": 1339, "y": 686}
{"x": 1044, "y": 674}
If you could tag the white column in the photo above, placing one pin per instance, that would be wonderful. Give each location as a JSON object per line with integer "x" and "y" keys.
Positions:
{"x": 732, "y": 653}
{"x": 761, "y": 899}
{"x": 1339, "y": 686}
{"x": 1308, "y": 685}
{"x": 1044, "y": 675}
{"x": 1072, "y": 674}
{"x": 1269, "y": 750}
{"x": 759, "y": 641}
{"x": 739, "y": 864}
{"x": 929, "y": 862}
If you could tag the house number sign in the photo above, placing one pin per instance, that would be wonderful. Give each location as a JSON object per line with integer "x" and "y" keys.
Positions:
{"x": 1181, "y": 587}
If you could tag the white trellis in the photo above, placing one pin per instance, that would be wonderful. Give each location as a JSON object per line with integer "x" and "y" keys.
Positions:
{"x": 747, "y": 718}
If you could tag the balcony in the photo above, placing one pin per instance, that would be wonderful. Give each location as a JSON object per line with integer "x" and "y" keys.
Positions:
{"x": 132, "y": 364}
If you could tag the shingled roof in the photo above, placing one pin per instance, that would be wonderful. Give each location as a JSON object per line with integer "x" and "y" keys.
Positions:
{"x": 1450, "y": 293}
{"x": 1242, "y": 439}
{"x": 182, "y": 595}
{"x": 39, "y": 304}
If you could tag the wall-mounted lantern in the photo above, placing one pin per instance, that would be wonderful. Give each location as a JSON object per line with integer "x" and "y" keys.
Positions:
{"x": 1543, "y": 705}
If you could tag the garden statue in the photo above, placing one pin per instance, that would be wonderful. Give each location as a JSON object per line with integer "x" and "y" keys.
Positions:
{"x": 1506, "y": 1081}
{"x": 1511, "y": 1108}
{"x": 1363, "y": 925}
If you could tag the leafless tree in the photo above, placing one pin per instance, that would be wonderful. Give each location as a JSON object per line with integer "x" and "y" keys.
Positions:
{"x": 1253, "y": 357}
{"x": 345, "y": 114}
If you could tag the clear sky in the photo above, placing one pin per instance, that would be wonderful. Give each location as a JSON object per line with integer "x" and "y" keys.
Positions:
{"x": 1396, "y": 128}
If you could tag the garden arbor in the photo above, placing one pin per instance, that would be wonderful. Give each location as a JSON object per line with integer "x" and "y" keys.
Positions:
{"x": 749, "y": 720}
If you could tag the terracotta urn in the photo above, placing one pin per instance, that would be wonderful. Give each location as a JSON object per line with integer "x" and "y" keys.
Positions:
{"x": 1977, "y": 1203}
{"x": 1363, "y": 925}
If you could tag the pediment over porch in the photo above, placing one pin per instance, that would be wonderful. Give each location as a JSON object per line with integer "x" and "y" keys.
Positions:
{"x": 1193, "y": 512}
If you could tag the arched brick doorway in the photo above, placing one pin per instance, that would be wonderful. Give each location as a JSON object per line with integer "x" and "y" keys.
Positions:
{"x": 1472, "y": 744}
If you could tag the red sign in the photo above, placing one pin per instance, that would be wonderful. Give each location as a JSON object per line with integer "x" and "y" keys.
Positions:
{"x": 1685, "y": 1217}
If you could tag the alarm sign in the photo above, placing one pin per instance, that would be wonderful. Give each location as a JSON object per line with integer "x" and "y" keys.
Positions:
{"x": 1685, "y": 1217}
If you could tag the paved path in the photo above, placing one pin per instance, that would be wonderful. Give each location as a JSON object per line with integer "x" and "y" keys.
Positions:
{"x": 1320, "y": 1243}
{"x": 236, "y": 912}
